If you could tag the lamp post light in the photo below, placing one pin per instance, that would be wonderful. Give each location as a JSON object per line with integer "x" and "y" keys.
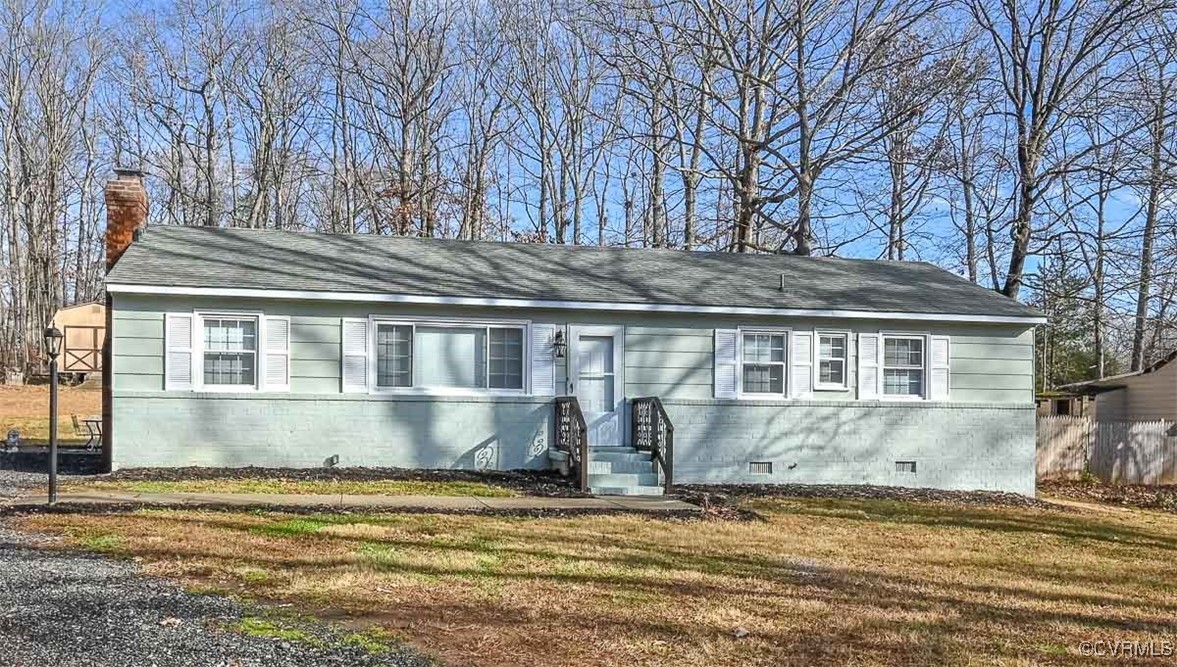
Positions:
{"x": 53, "y": 338}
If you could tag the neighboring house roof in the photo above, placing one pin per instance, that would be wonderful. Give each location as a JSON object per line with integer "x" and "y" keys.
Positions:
{"x": 279, "y": 264}
{"x": 1117, "y": 381}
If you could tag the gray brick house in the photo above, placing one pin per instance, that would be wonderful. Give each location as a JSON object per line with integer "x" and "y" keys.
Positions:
{"x": 236, "y": 347}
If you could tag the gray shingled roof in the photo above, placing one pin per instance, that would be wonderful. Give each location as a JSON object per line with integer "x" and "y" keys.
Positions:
{"x": 276, "y": 260}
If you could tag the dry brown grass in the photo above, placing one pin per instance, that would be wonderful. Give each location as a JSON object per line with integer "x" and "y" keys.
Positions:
{"x": 819, "y": 582}
{"x": 27, "y": 410}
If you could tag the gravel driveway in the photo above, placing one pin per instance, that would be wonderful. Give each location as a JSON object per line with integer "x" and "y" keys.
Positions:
{"x": 73, "y": 610}
{"x": 13, "y": 483}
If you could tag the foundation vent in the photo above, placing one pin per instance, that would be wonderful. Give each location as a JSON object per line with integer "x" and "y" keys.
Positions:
{"x": 905, "y": 466}
{"x": 760, "y": 467}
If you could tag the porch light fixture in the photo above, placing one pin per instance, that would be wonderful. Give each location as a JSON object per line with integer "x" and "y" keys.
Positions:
{"x": 559, "y": 344}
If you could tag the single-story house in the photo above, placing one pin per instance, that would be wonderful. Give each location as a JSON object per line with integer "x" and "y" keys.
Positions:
{"x": 236, "y": 347}
{"x": 1149, "y": 394}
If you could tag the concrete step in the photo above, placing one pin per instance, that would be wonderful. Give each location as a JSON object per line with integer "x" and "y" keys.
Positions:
{"x": 612, "y": 467}
{"x": 624, "y": 479}
{"x": 625, "y": 490}
{"x": 619, "y": 454}
{"x": 622, "y": 458}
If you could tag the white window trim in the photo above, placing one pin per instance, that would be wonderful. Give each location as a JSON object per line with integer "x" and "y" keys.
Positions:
{"x": 198, "y": 351}
{"x": 925, "y": 389}
{"x": 788, "y": 377}
{"x": 375, "y": 320}
{"x": 818, "y": 385}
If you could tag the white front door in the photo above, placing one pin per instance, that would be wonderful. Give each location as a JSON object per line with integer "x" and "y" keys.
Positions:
{"x": 596, "y": 376}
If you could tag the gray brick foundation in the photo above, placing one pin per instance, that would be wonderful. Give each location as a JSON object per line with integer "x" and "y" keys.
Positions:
{"x": 954, "y": 445}
{"x": 298, "y": 430}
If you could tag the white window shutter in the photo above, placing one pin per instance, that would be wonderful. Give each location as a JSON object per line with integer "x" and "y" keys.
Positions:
{"x": 178, "y": 337}
{"x": 277, "y": 351}
{"x": 801, "y": 364}
{"x": 938, "y": 368}
{"x": 355, "y": 355}
{"x": 869, "y": 372}
{"x": 543, "y": 363}
{"x": 726, "y": 362}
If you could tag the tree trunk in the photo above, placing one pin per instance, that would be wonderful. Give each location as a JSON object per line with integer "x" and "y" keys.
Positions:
{"x": 1148, "y": 239}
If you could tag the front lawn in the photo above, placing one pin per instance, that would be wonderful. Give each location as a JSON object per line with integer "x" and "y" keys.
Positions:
{"x": 819, "y": 581}
{"x": 26, "y": 409}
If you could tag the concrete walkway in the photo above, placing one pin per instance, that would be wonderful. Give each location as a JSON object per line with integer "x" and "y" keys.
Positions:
{"x": 426, "y": 503}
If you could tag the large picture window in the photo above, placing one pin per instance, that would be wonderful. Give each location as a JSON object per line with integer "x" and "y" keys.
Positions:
{"x": 764, "y": 363}
{"x": 449, "y": 356}
{"x": 903, "y": 366}
{"x": 230, "y": 351}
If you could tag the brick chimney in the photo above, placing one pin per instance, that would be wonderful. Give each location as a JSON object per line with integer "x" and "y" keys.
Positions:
{"x": 126, "y": 212}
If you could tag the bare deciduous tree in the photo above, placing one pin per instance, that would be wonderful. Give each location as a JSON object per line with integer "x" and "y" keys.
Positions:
{"x": 1015, "y": 141}
{"x": 1045, "y": 58}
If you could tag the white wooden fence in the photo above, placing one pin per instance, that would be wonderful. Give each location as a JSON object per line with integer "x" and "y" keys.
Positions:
{"x": 1116, "y": 452}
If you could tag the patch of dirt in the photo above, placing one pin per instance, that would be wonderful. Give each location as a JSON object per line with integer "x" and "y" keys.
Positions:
{"x": 1163, "y": 497}
{"x": 714, "y": 497}
{"x": 542, "y": 483}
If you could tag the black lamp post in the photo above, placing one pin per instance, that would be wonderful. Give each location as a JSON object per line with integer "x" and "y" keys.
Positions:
{"x": 53, "y": 348}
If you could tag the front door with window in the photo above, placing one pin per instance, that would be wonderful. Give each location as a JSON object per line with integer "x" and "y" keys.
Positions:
{"x": 595, "y": 373}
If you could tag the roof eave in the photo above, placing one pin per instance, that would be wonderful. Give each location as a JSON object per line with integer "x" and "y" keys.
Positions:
{"x": 1092, "y": 387}
{"x": 375, "y": 297}
{"x": 1110, "y": 383}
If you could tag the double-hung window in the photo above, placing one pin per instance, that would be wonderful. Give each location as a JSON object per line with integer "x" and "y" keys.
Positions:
{"x": 763, "y": 360}
{"x": 903, "y": 366}
{"x": 230, "y": 351}
{"x": 505, "y": 357}
{"x": 394, "y": 355}
{"x": 447, "y": 356}
{"x": 831, "y": 361}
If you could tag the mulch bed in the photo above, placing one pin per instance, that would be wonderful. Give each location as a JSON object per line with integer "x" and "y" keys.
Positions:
{"x": 1162, "y": 497}
{"x": 725, "y": 495}
{"x": 685, "y": 515}
{"x": 719, "y": 501}
{"x": 541, "y": 483}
